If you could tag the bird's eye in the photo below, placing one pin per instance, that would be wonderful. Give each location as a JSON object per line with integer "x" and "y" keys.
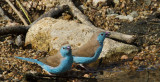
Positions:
{"x": 63, "y": 48}
{"x": 102, "y": 34}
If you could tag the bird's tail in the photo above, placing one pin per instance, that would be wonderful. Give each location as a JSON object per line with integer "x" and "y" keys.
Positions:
{"x": 27, "y": 59}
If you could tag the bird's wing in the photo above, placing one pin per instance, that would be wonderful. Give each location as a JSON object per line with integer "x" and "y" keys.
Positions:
{"x": 87, "y": 50}
{"x": 53, "y": 60}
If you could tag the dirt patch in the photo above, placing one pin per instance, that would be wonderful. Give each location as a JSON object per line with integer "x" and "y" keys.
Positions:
{"x": 147, "y": 30}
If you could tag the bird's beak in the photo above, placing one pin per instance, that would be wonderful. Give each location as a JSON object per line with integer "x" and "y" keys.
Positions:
{"x": 68, "y": 48}
{"x": 108, "y": 34}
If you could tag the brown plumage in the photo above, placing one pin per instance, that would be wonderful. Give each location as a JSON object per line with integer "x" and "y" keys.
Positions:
{"x": 88, "y": 49}
{"x": 53, "y": 60}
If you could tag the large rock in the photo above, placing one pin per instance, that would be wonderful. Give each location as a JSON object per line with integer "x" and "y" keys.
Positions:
{"x": 49, "y": 34}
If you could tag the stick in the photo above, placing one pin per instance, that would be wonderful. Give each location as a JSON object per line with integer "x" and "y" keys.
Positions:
{"x": 24, "y": 11}
{"x": 52, "y": 12}
{"x": 76, "y": 12}
{"x": 16, "y": 11}
{"x": 123, "y": 37}
{"x": 14, "y": 30}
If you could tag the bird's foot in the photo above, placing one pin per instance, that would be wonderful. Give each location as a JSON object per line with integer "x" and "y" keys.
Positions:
{"x": 88, "y": 69}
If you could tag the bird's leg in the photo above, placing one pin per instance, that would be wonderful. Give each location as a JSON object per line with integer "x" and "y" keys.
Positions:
{"x": 99, "y": 64}
{"x": 82, "y": 66}
{"x": 87, "y": 68}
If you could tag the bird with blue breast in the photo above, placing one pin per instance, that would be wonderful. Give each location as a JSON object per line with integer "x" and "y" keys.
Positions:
{"x": 58, "y": 63}
{"x": 90, "y": 51}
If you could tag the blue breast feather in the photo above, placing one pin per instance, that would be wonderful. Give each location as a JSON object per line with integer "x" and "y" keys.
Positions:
{"x": 65, "y": 64}
{"x": 83, "y": 60}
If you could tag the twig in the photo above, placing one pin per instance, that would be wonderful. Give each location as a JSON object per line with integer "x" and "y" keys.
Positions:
{"x": 16, "y": 11}
{"x": 76, "y": 12}
{"x": 52, "y": 12}
{"x": 24, "y": 11}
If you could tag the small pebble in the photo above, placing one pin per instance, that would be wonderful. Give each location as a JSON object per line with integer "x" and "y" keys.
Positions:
{"x": 18, "y": 41}
{"x": 124, "y": 57}
{"x": 86, "y": 75}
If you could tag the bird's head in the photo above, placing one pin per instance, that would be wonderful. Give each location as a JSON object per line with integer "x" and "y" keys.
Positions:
{"x": 102, "y": 36}
{"x": 66, "y": 50}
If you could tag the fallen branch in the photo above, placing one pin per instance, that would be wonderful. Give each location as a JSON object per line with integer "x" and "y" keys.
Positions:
{"x": 123, "y": 37}
{"x": 16, "y": 11}
{"x": 52, "y": 12}
{"x": 21, "y": 29}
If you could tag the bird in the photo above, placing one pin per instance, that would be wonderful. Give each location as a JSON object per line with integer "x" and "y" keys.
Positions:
{"x": 90, "y": 51}
{"x": 55, "y": 64}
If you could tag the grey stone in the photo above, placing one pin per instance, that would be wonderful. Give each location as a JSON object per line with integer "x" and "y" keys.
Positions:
{"x": 110, "y": 11}
{"x": 128, "y": 17}
{"x": 134, "y": 14}
{"x": 18, "y": 41}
